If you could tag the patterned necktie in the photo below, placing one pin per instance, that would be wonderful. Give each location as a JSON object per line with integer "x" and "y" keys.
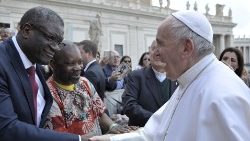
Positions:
{"x": 32, "y": 71}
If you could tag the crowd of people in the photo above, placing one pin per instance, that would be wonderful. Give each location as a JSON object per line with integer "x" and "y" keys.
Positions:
{"x": 53, "y": 89}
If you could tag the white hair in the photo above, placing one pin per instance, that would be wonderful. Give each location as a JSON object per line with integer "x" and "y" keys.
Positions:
{"x": 179, "y": 31}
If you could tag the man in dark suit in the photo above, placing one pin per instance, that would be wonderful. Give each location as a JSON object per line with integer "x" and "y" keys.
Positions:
{"x": 146, "y": 91}
{"x": 25, "y": 99}
{"x": 92, "y": 70}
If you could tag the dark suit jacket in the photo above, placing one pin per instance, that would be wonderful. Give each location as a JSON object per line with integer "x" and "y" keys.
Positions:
{"x": 141, "y": 97}
{"x": 16, "y": 102}
{"x": 110, "y": 85}
{"x": 96, "y": 76}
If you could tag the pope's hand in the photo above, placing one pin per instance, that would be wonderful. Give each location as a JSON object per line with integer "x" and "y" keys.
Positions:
{"x": 85, "y": 137}
{"x": 101, "y": 138}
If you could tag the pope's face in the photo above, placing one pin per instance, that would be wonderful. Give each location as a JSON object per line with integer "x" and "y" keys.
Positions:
{"x": 169, "y": 52}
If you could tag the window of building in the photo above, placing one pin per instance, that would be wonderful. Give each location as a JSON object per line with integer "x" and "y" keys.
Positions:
{"x": 4, "y": 25}
{"x": 119, "y": 49}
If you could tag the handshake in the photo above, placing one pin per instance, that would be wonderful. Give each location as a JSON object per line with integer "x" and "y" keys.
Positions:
{"x": 97, "y": 138}
{"x": 113, "y": 129}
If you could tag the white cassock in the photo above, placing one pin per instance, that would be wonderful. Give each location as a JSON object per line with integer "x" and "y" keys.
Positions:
{"x": 211, "y": 104}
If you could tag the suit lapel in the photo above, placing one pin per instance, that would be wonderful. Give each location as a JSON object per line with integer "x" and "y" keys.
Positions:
{"x": 22, "y": 74}
{"x": 154, "y": 90}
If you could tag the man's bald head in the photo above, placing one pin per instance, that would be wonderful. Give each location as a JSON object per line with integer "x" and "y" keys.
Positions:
{"x": 40, "y": 16}
{"x": 114, "y": 59}
{"x": 40, "y": 32}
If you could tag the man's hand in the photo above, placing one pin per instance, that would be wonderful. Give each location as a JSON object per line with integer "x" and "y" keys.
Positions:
{"x": 85, "y": 137}
{"x": 114, "y": 76}
{"x": 101, "y": 138}
{"x": 122, "y": 129}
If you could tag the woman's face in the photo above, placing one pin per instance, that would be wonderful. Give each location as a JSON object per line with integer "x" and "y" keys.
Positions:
{"x": 127, "y": 60}
{"x": 146, "y": 60}
{"x": 230, "y": 59}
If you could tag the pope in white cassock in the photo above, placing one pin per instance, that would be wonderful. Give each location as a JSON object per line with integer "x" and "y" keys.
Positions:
{"x": 211, "y": 103}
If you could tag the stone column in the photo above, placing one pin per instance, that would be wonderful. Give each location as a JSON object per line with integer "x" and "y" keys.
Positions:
{"x": 138, "y": 4}
{"x": 222, "y": 42}
{"x": 105, "y": 38}
{"x": 228, "y": 40}
{"x": 133, "y": 44}
{"x": 244, "y": 53}
{"x": 247, "y": 54}
{"x": 231, "y": 38}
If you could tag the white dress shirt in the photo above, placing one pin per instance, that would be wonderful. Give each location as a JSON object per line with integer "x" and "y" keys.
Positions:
{"x": 161, "y": 76}
{"x": 40, "y": 95}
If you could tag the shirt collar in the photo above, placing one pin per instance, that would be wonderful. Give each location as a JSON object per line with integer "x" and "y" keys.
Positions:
{"x": 89, "y": 63}
{"x": 70, "y": 87}
{"x": 189, "y": 76}
{"x": 26, "y": 62}
{"x": 159, "y": 75}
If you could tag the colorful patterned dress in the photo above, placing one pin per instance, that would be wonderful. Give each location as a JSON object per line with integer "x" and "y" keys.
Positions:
{"x": 75, "y": 111}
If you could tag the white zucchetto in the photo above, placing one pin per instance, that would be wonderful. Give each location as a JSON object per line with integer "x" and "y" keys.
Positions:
{"x": 197, "y": 22}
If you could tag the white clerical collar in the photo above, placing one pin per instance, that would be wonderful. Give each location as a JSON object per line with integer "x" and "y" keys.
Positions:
{"x": 89, "y": 63}
{"x": 189, "y": 76}
{"x": 26, "y": 62}
{"x": 161, "y": 76}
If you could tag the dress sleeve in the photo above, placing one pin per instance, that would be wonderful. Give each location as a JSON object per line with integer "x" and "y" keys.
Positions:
{"x": 95, "y": 101}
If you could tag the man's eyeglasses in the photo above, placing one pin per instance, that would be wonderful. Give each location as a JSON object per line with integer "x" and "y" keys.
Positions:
{"x": 53, "y": 41}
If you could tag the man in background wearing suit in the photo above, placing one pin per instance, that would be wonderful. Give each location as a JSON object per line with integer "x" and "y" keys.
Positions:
{"x": 146, "y": 90}
{"x": 112, "y": 77}
{"x": 25, "y": 99}
{"x": 92, "y": 70}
